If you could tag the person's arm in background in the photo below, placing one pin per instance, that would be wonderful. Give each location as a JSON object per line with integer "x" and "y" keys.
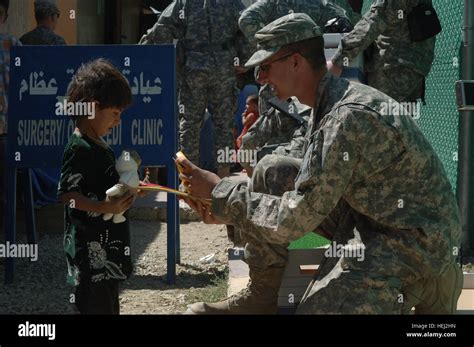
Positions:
{"x": 170, "y": 26}
{"x": 372, "y": 24}
{"x": 255, "y": 17}
{"x": 329, "y": 11}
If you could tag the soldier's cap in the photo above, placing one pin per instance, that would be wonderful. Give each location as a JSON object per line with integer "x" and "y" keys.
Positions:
{"x": 48, "y": 8}
{"x": 293, "y": 27}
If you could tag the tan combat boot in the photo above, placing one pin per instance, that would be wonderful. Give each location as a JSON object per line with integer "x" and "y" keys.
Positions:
{"x": 260, "y": 296}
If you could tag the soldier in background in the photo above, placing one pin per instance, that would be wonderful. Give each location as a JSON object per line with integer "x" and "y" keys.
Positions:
{"x": 208, "y": 33}
{"x": 395, "y": 64}
{"x": 45, "y": 181}
{"x": 47, "y": 16}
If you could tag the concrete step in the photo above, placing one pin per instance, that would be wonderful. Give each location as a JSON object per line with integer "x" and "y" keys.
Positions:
{"x": 295, "y": 281}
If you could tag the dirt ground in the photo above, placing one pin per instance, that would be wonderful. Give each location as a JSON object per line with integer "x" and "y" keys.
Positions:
{"x": 40, "y": 287}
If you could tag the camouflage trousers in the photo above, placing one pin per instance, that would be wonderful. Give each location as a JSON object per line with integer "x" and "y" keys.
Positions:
{"x": 377, "y": 280}
{"x": 400, "y": 83}
{"x": 201, "y": 89}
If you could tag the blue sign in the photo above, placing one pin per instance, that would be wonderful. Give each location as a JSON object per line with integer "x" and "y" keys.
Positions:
{"x": 38, "y": 130}
{"x": 38, "y": 133}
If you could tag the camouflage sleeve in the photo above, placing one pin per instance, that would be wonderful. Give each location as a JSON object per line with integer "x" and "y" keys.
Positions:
{"x": 330, "y": 11}
{"x": 327, "y": 169}
{"x": 170, "y": 26}
{"x": 349, "y": 12}
{"x": 255, "y": 17}
{"x": 243, "y": 46}
{"x": 381, "y": 14}
{"x": 257, "y": 135}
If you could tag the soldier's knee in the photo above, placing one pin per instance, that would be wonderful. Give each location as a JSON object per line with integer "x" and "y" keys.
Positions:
{"x": 266, "y": 163}
{"x": 274, "y": 175}
{"x": 260, "y": 175}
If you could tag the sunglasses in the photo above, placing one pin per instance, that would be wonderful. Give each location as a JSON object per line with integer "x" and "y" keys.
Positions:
{"x": 267, "y": 66}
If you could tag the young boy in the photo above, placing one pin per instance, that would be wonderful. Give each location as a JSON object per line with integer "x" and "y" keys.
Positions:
{"x": 97, "y": 251}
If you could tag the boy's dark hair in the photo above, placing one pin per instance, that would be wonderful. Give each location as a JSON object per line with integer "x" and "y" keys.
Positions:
{"x": 253, "y": 98}
{"x": 311, "y": 49}
{"x": 99, "y": 80}
{"x": 5, "y": 3}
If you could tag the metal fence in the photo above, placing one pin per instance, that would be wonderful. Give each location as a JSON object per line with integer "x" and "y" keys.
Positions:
{"x": 439, "y": 117}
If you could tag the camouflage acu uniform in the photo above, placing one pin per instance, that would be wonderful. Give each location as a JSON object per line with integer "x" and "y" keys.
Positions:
{"x": 259, "y": 14}
{"x": 368, "y": 180}
{"x": 273, "y": 127}
{"x": 42, "y": 36}
{"x": 397, "y": 66}
{"x": 208, "y": 33}
{"x": 366, "y": 176}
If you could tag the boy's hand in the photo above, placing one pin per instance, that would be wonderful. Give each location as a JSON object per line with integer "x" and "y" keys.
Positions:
{"x": 142, "y": 193}
{"x": 119, "y": 205}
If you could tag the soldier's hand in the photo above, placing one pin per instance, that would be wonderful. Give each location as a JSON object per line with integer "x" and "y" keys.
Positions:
{"x": 203, "y": 210}
{"x": 198, "y": 182}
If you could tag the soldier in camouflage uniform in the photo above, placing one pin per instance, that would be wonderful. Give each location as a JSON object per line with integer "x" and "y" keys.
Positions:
{"x": 262, "y": 12}
{"x": 396, "y": 65}
{"x": 208, "y": 33}
{"x": 369, "y": 180}
{"x": 274, "y": 126}
{"x": 47, "y": 16}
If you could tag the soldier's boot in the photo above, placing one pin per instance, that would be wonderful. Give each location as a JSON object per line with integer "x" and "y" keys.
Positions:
{"x": 223, "y": 171}
{"x": 260, "y": 296}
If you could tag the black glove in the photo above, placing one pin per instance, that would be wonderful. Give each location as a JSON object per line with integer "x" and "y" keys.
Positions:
{"x": 338, "y": 25}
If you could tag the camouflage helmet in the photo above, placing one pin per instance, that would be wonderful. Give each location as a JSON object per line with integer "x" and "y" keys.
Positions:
{"x": 288, "y": 29}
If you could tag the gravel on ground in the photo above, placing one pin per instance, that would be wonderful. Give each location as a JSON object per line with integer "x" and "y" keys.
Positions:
{"x": 40, "y": 287}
